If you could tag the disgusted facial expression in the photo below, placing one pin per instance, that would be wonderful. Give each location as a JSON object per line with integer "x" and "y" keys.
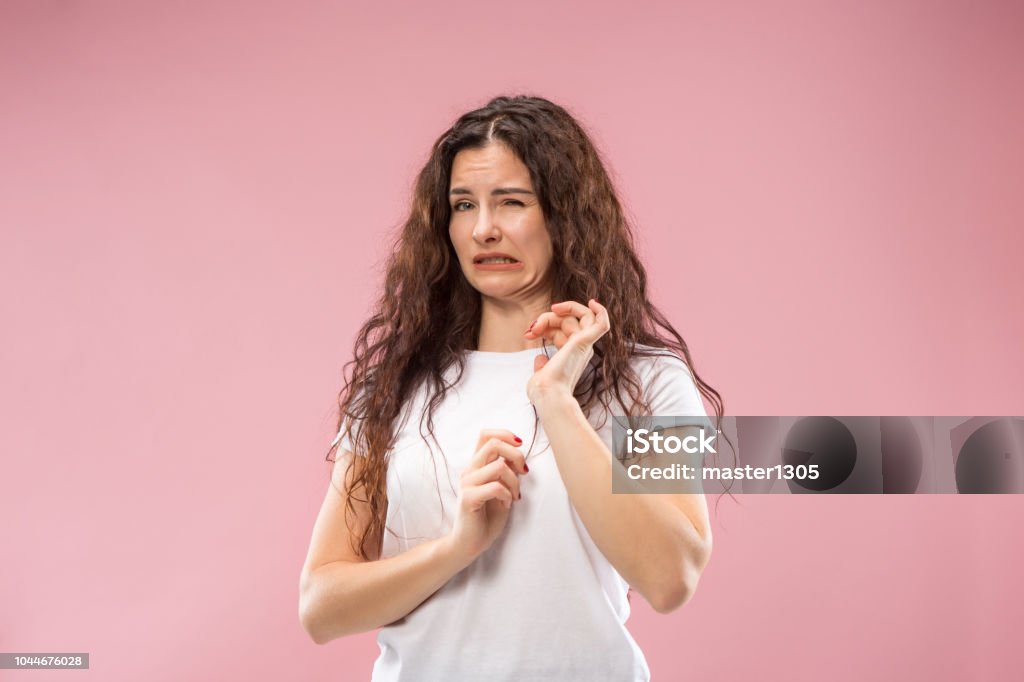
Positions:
{"x": 497, "y": 226}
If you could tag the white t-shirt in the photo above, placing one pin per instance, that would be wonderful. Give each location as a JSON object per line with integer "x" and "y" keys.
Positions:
{"x": 542, "y": 603}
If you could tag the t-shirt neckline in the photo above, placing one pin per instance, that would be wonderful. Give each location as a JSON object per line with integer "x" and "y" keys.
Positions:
{"x": 498, "y": 357}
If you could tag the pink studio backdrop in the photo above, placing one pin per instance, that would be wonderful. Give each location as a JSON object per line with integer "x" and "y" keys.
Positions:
{"x": 195, "y": 199}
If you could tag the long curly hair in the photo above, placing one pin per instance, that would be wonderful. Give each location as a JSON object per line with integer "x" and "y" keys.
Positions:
{"x": 428, "y": 314}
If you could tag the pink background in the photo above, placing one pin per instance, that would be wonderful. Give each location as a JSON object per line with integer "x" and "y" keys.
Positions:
{"x": 194, "y": 199}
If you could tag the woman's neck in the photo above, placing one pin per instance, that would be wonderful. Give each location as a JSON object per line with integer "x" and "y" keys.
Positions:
{"x": 503, "y": 323}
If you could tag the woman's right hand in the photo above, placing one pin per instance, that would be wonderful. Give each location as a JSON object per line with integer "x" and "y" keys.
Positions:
{"x": 488, "y": 487}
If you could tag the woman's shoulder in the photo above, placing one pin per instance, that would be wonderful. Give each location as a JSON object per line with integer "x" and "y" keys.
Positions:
{"x": 647, "y": 360}
{"x": 667, "y": 381}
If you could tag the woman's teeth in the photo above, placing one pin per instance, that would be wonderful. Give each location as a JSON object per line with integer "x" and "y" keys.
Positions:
{"x": 497, "y": 260}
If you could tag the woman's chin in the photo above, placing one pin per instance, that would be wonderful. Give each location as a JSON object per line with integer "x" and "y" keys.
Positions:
{"x": 496, "y": 295}
{"x": 520, "y": 290}
{"x": 492, "y": 291}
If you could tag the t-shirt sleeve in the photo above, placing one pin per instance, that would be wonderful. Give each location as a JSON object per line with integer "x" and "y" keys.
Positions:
{"x": 672, "y": 392}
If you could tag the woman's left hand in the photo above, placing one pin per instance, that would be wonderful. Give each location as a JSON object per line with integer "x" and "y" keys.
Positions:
{"x": 573, "y": 328}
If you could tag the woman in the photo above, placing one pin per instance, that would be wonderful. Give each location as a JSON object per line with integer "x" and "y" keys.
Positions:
{"x": 514, "y": 322}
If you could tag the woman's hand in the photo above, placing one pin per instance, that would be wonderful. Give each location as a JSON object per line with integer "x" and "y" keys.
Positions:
{"x": 488, "y": 486}
{"x": 573, "y": 328}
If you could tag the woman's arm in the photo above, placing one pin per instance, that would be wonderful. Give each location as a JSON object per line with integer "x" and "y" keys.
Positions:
{"x": 345, "y": 597}
{"x": 341, "y": 593}
{"x": 659, "y": 543}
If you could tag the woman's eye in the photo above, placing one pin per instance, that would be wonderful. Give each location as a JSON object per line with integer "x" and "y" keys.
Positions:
{"x": 510, "y": 201}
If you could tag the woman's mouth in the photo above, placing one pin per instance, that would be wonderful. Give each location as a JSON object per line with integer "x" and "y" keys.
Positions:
{"x": 497, "y": 263}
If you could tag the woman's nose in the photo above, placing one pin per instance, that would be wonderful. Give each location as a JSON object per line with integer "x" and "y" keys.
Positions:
{"x": 485, "y": 229}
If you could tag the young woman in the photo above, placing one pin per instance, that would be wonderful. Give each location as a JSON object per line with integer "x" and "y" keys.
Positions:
{"x": 470, "y": 513}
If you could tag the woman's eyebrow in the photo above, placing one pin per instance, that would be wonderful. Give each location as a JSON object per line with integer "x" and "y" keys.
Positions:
{"x": 495, "y": 192}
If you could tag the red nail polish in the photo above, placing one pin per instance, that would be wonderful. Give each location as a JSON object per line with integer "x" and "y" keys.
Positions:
{"x": 518, "y": 439}
{"x": 526, "y": 467}
{"x": 520, "y": 496}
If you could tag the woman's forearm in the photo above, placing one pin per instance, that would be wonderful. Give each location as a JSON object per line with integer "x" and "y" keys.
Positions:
{"x": 650, "y": 542}
{"x": 346, "y": 597}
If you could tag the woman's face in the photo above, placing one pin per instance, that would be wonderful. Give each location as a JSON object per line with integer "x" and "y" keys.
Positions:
{"x": 495, "y": 211}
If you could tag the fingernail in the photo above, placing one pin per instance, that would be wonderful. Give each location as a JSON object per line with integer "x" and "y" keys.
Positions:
{"x": 520, "y": 496}
{"x": 518, "y": 439}
{"x": 526, "y": 467}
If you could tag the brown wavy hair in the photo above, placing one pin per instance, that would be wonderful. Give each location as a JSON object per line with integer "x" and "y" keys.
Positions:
{"x": 428, "y": 314}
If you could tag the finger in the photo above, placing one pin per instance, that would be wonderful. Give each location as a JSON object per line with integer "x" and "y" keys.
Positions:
{"x": 601, "y": 317}
{"x": 476, "y": 497}
{"x": 594, "y": 321}
{"x": 503, "y": 434}
{"x": 570, "y": 325}
{"x": 557, "y": 328}
{"x": 494, "y": 448}
{"x": 542, "y": 324}
{"x": 498, "y": 470}
{"x": 573, "y": 308}
{"x": 580, "y": 312}
{"x": 557, "y": 336}
{"x": 589, "y": 322}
